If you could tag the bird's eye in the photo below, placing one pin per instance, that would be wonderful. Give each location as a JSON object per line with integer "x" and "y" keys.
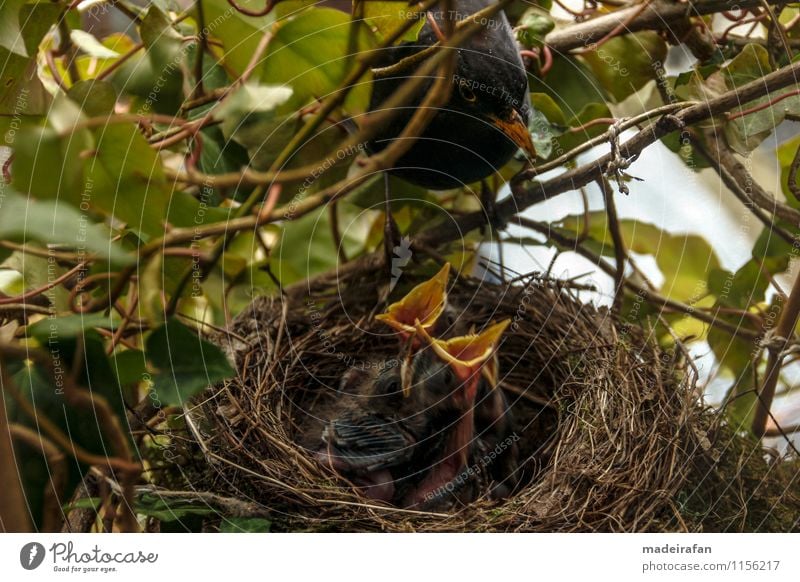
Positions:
{"x": 467, "y": 93}
{"x": 391, "y": 388}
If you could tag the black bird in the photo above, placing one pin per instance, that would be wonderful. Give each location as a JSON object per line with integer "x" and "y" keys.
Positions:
{"x": 486, "y": 119}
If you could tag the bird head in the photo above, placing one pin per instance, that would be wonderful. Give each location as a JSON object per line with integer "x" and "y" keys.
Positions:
{"x": 468, "y": 355}
{"x": 497, "y": 104}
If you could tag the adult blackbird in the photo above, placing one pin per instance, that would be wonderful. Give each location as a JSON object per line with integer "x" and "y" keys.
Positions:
{"x": 486, "y": 120}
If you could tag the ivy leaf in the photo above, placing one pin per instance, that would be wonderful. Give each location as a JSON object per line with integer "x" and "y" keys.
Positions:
{"x": 312, "y": 53}
{"x": 387, "y": 17}
{"x": 746, "y": 132}
{"x": 95, "y": 98}
{"x": 238, "y": 33}
{"x": 70, "y": 326}
{"x": 20, "y": 88}
{"x": 786, "y": 153}
{"x": 91, "y": 46}
{"x": 624, "y": 64}
{"x": 10, "y": 32}
{"x": 533, "y": 26}
{"x": 683, "y": 259}
{"x": 126, "y": 180}
{"x": 187, "y": 363}
{"x": 55, "y": 222}
{"x": 167, "y": 509}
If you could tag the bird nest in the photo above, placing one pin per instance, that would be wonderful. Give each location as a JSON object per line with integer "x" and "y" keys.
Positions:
{"x": 607, "y": 421}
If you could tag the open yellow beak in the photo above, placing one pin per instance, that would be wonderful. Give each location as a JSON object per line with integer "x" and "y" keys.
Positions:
{"x": 517, "y": 131}
{"x": 467, "y": 353}
{"x": 423, "y": 304}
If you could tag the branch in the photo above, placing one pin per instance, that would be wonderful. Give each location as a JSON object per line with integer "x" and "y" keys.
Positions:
{"x": 526, "y": 193}
{"x": 659, "y": 15}
{"x": 14, "y": 516}
{"x": 783, "y": 332}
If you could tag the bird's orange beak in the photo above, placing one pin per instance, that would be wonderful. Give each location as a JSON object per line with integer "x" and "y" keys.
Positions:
{"x": 423, "y": 304}
{"x": 515, "y": 128}
{"x": 468, "y": 353}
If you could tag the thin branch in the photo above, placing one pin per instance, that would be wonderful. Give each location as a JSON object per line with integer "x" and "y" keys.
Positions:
{"x": 736, "y": 176}
{"x": 659, "y": 15}
{"x": 620, "y": 252}
{"x": 783, "y": 334}
{"x": 14, "y": 516}
{"x": 57, "y": 469}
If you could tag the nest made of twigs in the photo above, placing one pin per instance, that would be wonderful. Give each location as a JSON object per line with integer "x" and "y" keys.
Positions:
{"x": 608, "y": 422}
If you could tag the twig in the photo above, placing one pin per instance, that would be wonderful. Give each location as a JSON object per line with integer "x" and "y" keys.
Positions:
{"x": 14, "y": 516}
{"x": 270, "y": 4}
{"x": 794, "y": 187}
{"x": 783, "y": 333}
{"x": 620, "y": 251}
{"x": 39, "y": 290}
{"x": 622, "y": 26}
{"x": 735, "y": 175}
{"x": 651, "y": 296}
{"x": 52, "y": 515}
{"x": 762, "y": 106}
{"x": 202, "y": 46}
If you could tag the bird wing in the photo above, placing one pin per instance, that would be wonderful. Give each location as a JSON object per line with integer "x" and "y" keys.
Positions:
{"x": 367, "y": 442}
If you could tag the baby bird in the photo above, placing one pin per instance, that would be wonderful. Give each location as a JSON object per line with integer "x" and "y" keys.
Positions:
{"x": 403, "y": 449}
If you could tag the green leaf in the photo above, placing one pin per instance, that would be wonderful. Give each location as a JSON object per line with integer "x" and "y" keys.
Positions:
{"x": 130, "y": 366}
{"x": 85, "y": 503}
{"x": 533, "y": 26}
{"x": 239, "y": 34}
{"x": 734, "y": 354}
{"x": 20, "y": 88}
{"x": 387, "y": 17}
{"x": 167, "y": 509}
{"x": 162, "y": 41}
{"x": 69, "y": 326}
{"x": 95, "y": 98}
{"x": 570, "y": 139}
{"x": 624, "y": 64}
{"x": 48, "y": 160}
{"x": 544, "y": 103}
{"x": 245, "y": 525}
{"x": 187, "y": 362}
{"x": 683, "y": 259}
{"x": 91, "y": 46}
{"x": 541, "y": 133}
{"x": 571, "y": 84}
{"x": 51, "y": 222}
{"x": 126, "y": 179}
{"x": 311, "y": 233}
{"x": 312, "y": 54}
{"x": 746, "y": 132}
{"x": 10, "y": 32}
{"x": 187, "y": 211}
{"x": 786, "y": 153}
{"x": 251, "y": 103}
{"x": 220, "y": 155}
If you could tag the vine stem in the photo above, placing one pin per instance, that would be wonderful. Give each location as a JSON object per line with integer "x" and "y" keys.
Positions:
{"x": 784, "y": 331}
